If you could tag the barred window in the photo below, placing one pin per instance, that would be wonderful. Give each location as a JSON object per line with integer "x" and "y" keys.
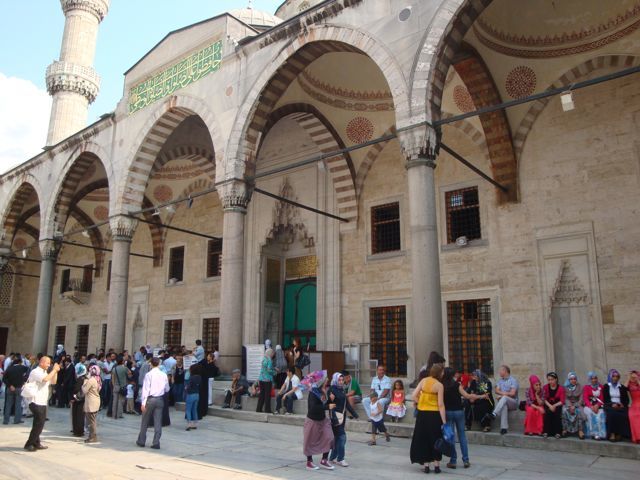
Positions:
{"x": 214, "y": 257}
{"x": 173, "y": 333}
{"x": 109, "y": 276}
{"x": 6, "y": 287}
{"x": 103, "y": 335}
{"x": 176, "y": 263}
{"x": 65, "y": 280}
{"x": 470, "y": 342}
{"x": 59, "y": 337}
{"x": 82, "y": 339}
{"x": 388, "y": 337}
{"x": 87, "y": 278}
{"x": 210, "y": 333}
{"x": 385, "y": 228}
{"x": 463, "y": 214}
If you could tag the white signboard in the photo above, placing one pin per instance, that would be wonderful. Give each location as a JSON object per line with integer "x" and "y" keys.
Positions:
{"x": 255, "y": 354}
{"x": 188, "y": 360}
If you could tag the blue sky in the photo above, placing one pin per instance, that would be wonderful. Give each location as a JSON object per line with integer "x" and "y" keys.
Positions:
{"x": 31, "y": 34}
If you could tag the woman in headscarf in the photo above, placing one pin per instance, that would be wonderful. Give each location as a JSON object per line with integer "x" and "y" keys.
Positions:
{"x": 281, "y": 367}
{"x": 338, "y": 419}
{"x": 554, "y": 398}
{"x": 266, "y": 382}
{"x": 616, "y": 404}
{"x": 483, "y": 404}
{"x": 633, "y": 385}
{"x": 77, "y": 402}
{"x": 534, "y": 410}
{"x": 572, "y": 415}
{"x": 91, "y": 390}
{"x": 317, "y": 433}
{"x": 593, "y": 397}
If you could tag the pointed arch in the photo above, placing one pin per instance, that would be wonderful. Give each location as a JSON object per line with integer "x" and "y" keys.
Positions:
{"x": 160, "y": 125}
{"x": 18, "y": 200}
{"x": 327, "y": 139}
{"x": 290, "y": 61}
{"x": 570, "y": 76}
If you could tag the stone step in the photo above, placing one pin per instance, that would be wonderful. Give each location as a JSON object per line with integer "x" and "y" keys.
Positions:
{"x": 405, "y": 430}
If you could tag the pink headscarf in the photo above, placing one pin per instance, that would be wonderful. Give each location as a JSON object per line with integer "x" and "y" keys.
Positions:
{"x": 533, "y": 379}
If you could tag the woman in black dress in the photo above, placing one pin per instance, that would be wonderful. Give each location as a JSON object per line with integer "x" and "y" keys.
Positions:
{"x": 208, "y": 370}
{"x": 77, "y": 402}
{"x": 616, "y": 407}
{"x": 554, "y": 398}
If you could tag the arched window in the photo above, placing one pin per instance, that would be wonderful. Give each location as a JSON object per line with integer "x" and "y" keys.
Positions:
{"x": 6, "y": 288}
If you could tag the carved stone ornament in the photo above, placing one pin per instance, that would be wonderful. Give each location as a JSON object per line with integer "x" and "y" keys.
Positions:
{"x": 49, "y": 249}
{"x": 568, "y": 289}
{"x": 98, "y": 8}
{"x": 235, "y": 195}
{"x": 68, "y": 77}
{"x": 287, "y": 225}
{"x": 420, "y": 145}
{"x": 122, "y": 228}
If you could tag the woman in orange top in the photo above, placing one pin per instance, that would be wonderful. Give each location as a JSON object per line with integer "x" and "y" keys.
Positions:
{"x": 429, "y": 398}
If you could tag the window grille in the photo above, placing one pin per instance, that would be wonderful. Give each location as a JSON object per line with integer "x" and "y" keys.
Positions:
{"x": 385, "y": 228}
{"x": 176, "y": 263}
{"x": 82, "y": 339}
{"x": 6, "y": 287}
{"x": 210, "y": 333}
{"x": 463, "y": 214}
{"x": 388, "y": 338}
{"x": 470, "y": 339}
{"x": 103, "y": 335}
{"x": 173, "y": 334}
{"x": 214, "y": 257}
{"x": 59, "y": 338}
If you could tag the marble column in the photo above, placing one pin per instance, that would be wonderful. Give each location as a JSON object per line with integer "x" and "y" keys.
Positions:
{"x": 235, "y": 196}
{"x": 426, "y": 312}
{"x": 49, "y": 253}
{"x": 122, "y": 231}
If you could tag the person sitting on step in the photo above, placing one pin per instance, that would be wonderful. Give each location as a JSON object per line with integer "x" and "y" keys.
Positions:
{"x": 239, "y": 387}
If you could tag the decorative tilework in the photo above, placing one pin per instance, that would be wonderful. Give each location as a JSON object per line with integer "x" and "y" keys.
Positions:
{"x": 183, "y": 73}
{"x": 163, "y": 193}
{"x": 462, "y": 99}
{"x": 101, "y": 213}
{"x": 360, "y": 130}
{"x": 521, "y": 82}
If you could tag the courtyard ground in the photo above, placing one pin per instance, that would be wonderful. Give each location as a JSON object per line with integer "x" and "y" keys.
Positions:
{"x": 237, "y": 450}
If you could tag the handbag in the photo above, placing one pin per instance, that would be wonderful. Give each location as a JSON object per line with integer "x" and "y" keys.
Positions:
{"x": 29, "y": 390}
{"x": 444, "y": 447}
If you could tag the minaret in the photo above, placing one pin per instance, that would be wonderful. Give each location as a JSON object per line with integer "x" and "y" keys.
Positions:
{"x": 72, "y": 81}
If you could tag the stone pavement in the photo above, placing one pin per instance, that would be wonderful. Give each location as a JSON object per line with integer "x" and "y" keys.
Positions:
{"x": 238, "y": 450}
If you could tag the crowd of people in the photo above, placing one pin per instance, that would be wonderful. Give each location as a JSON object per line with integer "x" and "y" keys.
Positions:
{"x": 146, "y": 384}
{"x": 151, "y": 380}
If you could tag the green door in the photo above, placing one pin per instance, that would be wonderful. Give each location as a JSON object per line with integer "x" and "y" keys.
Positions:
{"x": 300, "y": 312}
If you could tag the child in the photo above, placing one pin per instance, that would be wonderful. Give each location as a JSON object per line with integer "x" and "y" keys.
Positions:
{"x": 397, "y": 409}
{"x": 130, "y": 391}
{"x": 377, "y": 419}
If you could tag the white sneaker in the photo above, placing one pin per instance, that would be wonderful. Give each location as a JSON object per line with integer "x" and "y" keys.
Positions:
{"x": 343, "y": 463}
{"x": 326, "y": 464}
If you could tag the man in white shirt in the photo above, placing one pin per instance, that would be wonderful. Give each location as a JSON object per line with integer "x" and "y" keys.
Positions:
{"x": 155, "y": 385}
{"x": 199, "y": 351}
{"x": 38, "y": 405}
{"x": 381, "y": 384}
{"x": 289, "y": 392}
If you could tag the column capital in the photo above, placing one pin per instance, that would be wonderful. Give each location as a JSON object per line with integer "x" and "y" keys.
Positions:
{"x": 420, "y": 145}
{"x": 97, "y": 8}
{"x": 122, "y": 227}
{"x": 235, "y": 195}
{"x": 49, "y": 249}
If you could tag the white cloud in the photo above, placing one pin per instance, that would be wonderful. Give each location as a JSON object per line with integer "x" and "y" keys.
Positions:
{"x": 24, "y": 119}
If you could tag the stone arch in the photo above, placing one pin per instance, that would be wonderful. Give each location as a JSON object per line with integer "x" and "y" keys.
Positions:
{"x": 370, "y": 159}
{"x": 157, "y": 130}
{"x": 203, "y": 158}
{"x": 437, "y": 49}
{"x": 566, "y": 79}
{"x": 292, "y": 59}
{"x": 67, "y": 184}
{"x": 17, "y": 200}
{"x": 327, "y": 139}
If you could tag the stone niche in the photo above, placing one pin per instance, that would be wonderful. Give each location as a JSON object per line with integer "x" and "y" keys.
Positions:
{"x": 572, "y": 316}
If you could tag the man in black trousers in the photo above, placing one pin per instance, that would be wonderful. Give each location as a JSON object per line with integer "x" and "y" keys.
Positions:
{"x": 42, "y": 378}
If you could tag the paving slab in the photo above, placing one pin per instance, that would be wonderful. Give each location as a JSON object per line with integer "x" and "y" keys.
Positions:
{"x": 233, "y": 449}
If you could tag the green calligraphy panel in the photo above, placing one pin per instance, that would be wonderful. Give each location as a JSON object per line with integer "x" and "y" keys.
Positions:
{"x": 183, "y": 73}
